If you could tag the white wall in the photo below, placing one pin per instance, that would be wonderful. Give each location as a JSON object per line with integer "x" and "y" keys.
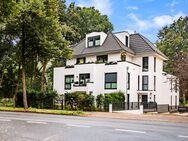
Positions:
{"x": 121, "y": 36}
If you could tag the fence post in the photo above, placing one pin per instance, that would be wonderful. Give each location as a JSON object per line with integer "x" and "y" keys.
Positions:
{"x": 141, "y": 109}
{"x": 110, "y": 108}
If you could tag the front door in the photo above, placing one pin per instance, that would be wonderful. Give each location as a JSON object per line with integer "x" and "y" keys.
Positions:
{"x": 128, "y": 101}
{"x": 144, "y": 100}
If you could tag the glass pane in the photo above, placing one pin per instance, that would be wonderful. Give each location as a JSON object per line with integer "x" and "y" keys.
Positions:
{"x": 114, "y": 85}
{"x": 97, "y": 42}
{"x": 90, "y": 43}
{"x": 107, "y": 85}
{"x": 111, "y": 77}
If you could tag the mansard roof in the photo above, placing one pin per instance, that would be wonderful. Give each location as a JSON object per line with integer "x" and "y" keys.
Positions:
{"x": 138, "y": 45}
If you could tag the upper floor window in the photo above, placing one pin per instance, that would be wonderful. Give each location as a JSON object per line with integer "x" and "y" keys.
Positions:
{"x": 81, "y": 60}
{"x": 84, "y": 78}
{"x": 145, "y": 64}
{"x": 94, "y": 41}
{"x": 102, "y": 58}
{"x": 111, "y": 80}
{"x": 145, "y": 81}
{"x": 154, "y": 64}
{"x": 127, "y": 41}
{"x": 68, "y": 80}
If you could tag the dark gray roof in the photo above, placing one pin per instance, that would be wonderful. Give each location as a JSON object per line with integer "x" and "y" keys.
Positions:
{"x": 140, "y": 44}
{"x": 111, "y": 44}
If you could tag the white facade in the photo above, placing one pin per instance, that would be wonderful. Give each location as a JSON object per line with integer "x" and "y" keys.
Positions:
{"x": 159, "y": 88}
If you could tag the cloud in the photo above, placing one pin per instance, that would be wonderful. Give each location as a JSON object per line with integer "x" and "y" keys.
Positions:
{"x": 163, "y": 20}
{"x": 104, "y": 6}
{"x": 132, "y": 8}
{"x": 152, "y": 23}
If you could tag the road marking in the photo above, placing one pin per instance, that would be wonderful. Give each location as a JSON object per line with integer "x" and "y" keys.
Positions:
{"x": 75, "y": 125}
{"x": 37, "y": 122}
{"x": 181, "y": 136}
{"x": 50, "y": 138}
{"x": 5, "y": 120}
{"x": 132, "y": 131}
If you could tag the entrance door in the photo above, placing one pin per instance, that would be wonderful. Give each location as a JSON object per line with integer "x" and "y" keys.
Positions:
{"x": 144, "y": 100}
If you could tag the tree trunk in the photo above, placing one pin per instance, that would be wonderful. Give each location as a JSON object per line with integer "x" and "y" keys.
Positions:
{"x": 15, "y": 94}
{"x": 24, "y": 89}
{"x": 1, "y": 80}
{"x": 43, "y": 77}
{"x": 23, "y": 66}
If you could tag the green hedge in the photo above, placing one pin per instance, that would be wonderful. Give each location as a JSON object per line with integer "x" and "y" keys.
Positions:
{"x": 37, "y": 100}
{"x": 110, "y": 98}
{"x": 79, "y": 101}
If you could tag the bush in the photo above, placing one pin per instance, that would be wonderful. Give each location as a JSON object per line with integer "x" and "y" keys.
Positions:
{"x": 6, "y": 102}
{"x": 79, "y": 101}
{"x": 37, "y": 100}
{"x": 104, "y": 100}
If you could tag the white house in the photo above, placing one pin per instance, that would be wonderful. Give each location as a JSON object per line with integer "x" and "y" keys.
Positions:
{"x": 104, "y": 63}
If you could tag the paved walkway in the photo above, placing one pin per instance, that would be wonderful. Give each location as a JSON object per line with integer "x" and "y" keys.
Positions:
{"x": 181, "y": 118}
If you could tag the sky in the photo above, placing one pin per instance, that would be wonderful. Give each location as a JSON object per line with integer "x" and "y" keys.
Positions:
{"x": 142, "y": 16}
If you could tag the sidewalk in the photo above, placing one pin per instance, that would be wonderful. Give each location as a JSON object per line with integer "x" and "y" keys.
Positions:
{"x": 181, "y": 118}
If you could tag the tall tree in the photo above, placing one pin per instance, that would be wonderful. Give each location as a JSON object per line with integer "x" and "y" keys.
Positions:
{"x": 83, "y": 20}
{"x": 173, "y": 42}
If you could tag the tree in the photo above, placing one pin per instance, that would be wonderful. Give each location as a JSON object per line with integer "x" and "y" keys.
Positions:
{"x": 83, "y": 20}
{"x": 173, "y": 42}
{"x": 38, "y": 36}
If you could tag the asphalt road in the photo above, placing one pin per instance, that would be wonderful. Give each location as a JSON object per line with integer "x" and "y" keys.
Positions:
{"x": 41, "y": 127}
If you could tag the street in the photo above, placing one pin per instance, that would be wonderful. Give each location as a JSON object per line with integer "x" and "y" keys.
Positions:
{"x": 43, "y": 127}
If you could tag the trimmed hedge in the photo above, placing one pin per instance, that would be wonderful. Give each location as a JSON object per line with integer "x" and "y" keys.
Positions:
{"x": 37, "y": 100}
{"x": 103, "y": 101}
{"x": 79, "y": 101}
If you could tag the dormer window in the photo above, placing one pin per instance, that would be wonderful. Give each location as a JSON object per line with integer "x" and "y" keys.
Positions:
{"x": 127, "y": 41}
{"x": 93, "y": 41}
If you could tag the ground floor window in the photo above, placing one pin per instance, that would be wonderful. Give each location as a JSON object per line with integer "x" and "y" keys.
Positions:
{"x": 84, "y": 78}
{"x": 110, "y": 80}
{"x": 68, "y": 80}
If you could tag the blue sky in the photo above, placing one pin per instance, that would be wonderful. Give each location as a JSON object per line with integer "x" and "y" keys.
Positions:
{"x": 143, "y": 16}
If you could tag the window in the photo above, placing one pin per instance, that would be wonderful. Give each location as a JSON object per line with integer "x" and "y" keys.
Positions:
{"x": 68, "y": 80}
{"x": 110, "y": 80}
{"x": 154, "y": 79}
{"x": 145, "y": 83}
{"x": 94, "y": 41}
{"x": 138, "y": 82}
{"x": 81, "y": 60}
{"x": 154, "y": 98}
{"x": 128, "y": 81}
{"x": 123, "y": 56}
{"x": 126, "y": 40}
{"x": 145, "y": 64}
{"x": 102, "y": 59}
{"x": 84, "y": 78}
{"x": 154, "y": 64}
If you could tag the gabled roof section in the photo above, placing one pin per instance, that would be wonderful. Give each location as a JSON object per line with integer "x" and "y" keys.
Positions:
{"x": 140, "y": 44}
{"x": 111, "y": 44}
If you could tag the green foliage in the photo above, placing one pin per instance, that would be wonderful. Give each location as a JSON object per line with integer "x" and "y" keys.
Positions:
{"x": 100, "y": 101}
{"x": 82, "y": 20}
{"x": 172, "y": 40}
{"x": 37, "y": 99}
{"x": 6, "y": 102}
{"x": 115, "y": 97}
{"x": 79, "y": 101}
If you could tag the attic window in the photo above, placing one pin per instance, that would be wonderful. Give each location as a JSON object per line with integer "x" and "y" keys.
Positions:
{"x": 94, "y": 41}
{"x": 126, "y": 41}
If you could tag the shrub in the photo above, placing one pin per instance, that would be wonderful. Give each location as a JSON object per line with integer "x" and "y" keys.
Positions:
{"x": 7, "y": 102}
{"x": 79, "y": 101}
{"x": 37, "y": 100}
{"x": 104, "y": 100}
{"x": 100, "y": 101}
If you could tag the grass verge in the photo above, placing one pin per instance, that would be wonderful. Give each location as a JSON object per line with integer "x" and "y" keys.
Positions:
{"x": 45, "y": 111}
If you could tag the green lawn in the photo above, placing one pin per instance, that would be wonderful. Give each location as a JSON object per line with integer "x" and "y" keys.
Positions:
{"x": 46, "y": 111}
